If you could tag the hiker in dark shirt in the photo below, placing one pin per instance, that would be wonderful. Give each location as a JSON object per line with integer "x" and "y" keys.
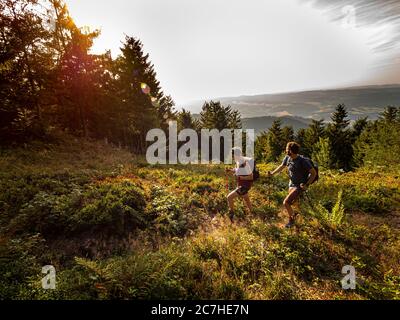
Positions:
{"x": 301, "y": 173}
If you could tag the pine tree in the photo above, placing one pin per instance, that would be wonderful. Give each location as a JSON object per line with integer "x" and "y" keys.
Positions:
{"x": 287, "y": 134}
{"x": 300, "y": 139}
{"x": 25, "y": 65}
{"x": 358, "y": 127}
{"x": 314, "y": 131}
{"x": 261, "y": 147}
{"x": 75, "y": 82}
{"x": 390, "y": 114}
{"x": 235, "y": 120}
{"x": 186, "y": 121}
{"x": 339, "y": 118}
{"x": 142, "y": 101}
{"x": 378, "y": 144}
{"x": 275, "y": 141}
{"x": 340, "y": 139}
{"x": 323, "y": 153}
{"x": 215, "y": 116}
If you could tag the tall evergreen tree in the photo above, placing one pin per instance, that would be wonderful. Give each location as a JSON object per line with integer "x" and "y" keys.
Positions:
{"x": 25, "y": 64}
{"x": 261, "y": 147}
{"x": 75, "y": 82}
{"x": 287, "y": 134}
{"x": 186, "y": 121}
{"x": 141, "y": 98}
{"x": 300, "y": 139}
{"x": 215, "y": 116}
{"x": 390, "y": 114}
{"x": 378, "y": 144}
{"x": 358, "y": 127}
{"x": 275, "y": 143}
{"x": 340, "y": 139}
{"x": 323, "y": 153}
{"x": 314, "y": 131}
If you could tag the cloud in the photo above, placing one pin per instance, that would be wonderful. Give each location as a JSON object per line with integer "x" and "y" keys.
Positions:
{"x": 368, "y": 13}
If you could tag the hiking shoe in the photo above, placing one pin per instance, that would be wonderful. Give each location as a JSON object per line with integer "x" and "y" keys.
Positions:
{"x": 290, "y": 223}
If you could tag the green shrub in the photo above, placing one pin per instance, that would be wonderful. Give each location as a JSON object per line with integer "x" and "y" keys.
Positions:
{"x": 112, "y": 207}
{"x": 166, "y": 212}
{"x": 44, "y": 214}
{"x": 169, "y": 273}
{"x": 115, "y": 207}
{"x": 18, "y": 263}
{"x": 203, "y": 188}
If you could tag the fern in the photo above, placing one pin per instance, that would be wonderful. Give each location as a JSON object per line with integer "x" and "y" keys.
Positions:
{"x": 338, "y": 211}
{"x": 331, "y": 219}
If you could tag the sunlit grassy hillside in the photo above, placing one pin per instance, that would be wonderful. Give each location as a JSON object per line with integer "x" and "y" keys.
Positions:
{"x": 117, "y": 228}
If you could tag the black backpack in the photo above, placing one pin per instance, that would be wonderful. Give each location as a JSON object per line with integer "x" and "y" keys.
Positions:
{"x": 256, "y": 173}
{"x": 315, "y": 166}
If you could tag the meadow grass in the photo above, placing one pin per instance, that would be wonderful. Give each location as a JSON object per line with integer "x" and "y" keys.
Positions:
{"x": 115, "y": 227}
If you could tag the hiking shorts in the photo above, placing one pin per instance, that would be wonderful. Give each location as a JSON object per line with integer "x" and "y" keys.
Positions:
{"x": 294, "y": 195}
{"x": 242, "y": 190}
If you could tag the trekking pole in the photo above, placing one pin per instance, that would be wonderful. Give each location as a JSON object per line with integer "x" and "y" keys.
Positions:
{"x": 227, "y": 181}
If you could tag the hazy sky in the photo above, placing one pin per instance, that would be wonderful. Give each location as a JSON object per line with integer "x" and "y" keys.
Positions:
{"x": 204, "y": 49}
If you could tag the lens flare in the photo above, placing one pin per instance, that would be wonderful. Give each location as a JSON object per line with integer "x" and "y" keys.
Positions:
{"x": 145, "y": 88}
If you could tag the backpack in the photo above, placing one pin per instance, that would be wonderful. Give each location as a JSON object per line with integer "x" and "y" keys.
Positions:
{"x": 315, "y": 166}
{"x": 256, "y": 173}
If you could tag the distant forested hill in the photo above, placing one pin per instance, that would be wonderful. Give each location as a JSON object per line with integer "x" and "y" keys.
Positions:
{"x": 319, "y": 104}
{"x": 264, "y": 123}
{"x": 260, "y": 124}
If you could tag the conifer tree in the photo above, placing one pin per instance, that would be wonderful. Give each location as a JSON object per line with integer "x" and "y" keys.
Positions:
{"x": 314, "y": 131}
{"x": 287, "y": 134}
{"x": 390, "y": 114}
{"x": 215, "y": 116}
{"x": 275, "y": 143}
{"x": 340, "y": 139}
{"x": 300, "y": 139}
{"x": 323, "y": 153}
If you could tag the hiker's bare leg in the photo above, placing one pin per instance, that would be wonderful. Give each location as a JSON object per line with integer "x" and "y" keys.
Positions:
{"x": 286, "y": 203}
{"x": 296, "y": 205}
{"x": 247, "y": 201}
{"x": 231, "y": 198}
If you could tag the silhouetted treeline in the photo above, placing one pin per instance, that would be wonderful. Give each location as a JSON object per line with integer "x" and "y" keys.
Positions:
{"x": 49, "y": 79}
{"x": 337, "y": 144}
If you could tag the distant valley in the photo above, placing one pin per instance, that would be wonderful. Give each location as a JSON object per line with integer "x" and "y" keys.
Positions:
{"x": 318, "y": 104}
